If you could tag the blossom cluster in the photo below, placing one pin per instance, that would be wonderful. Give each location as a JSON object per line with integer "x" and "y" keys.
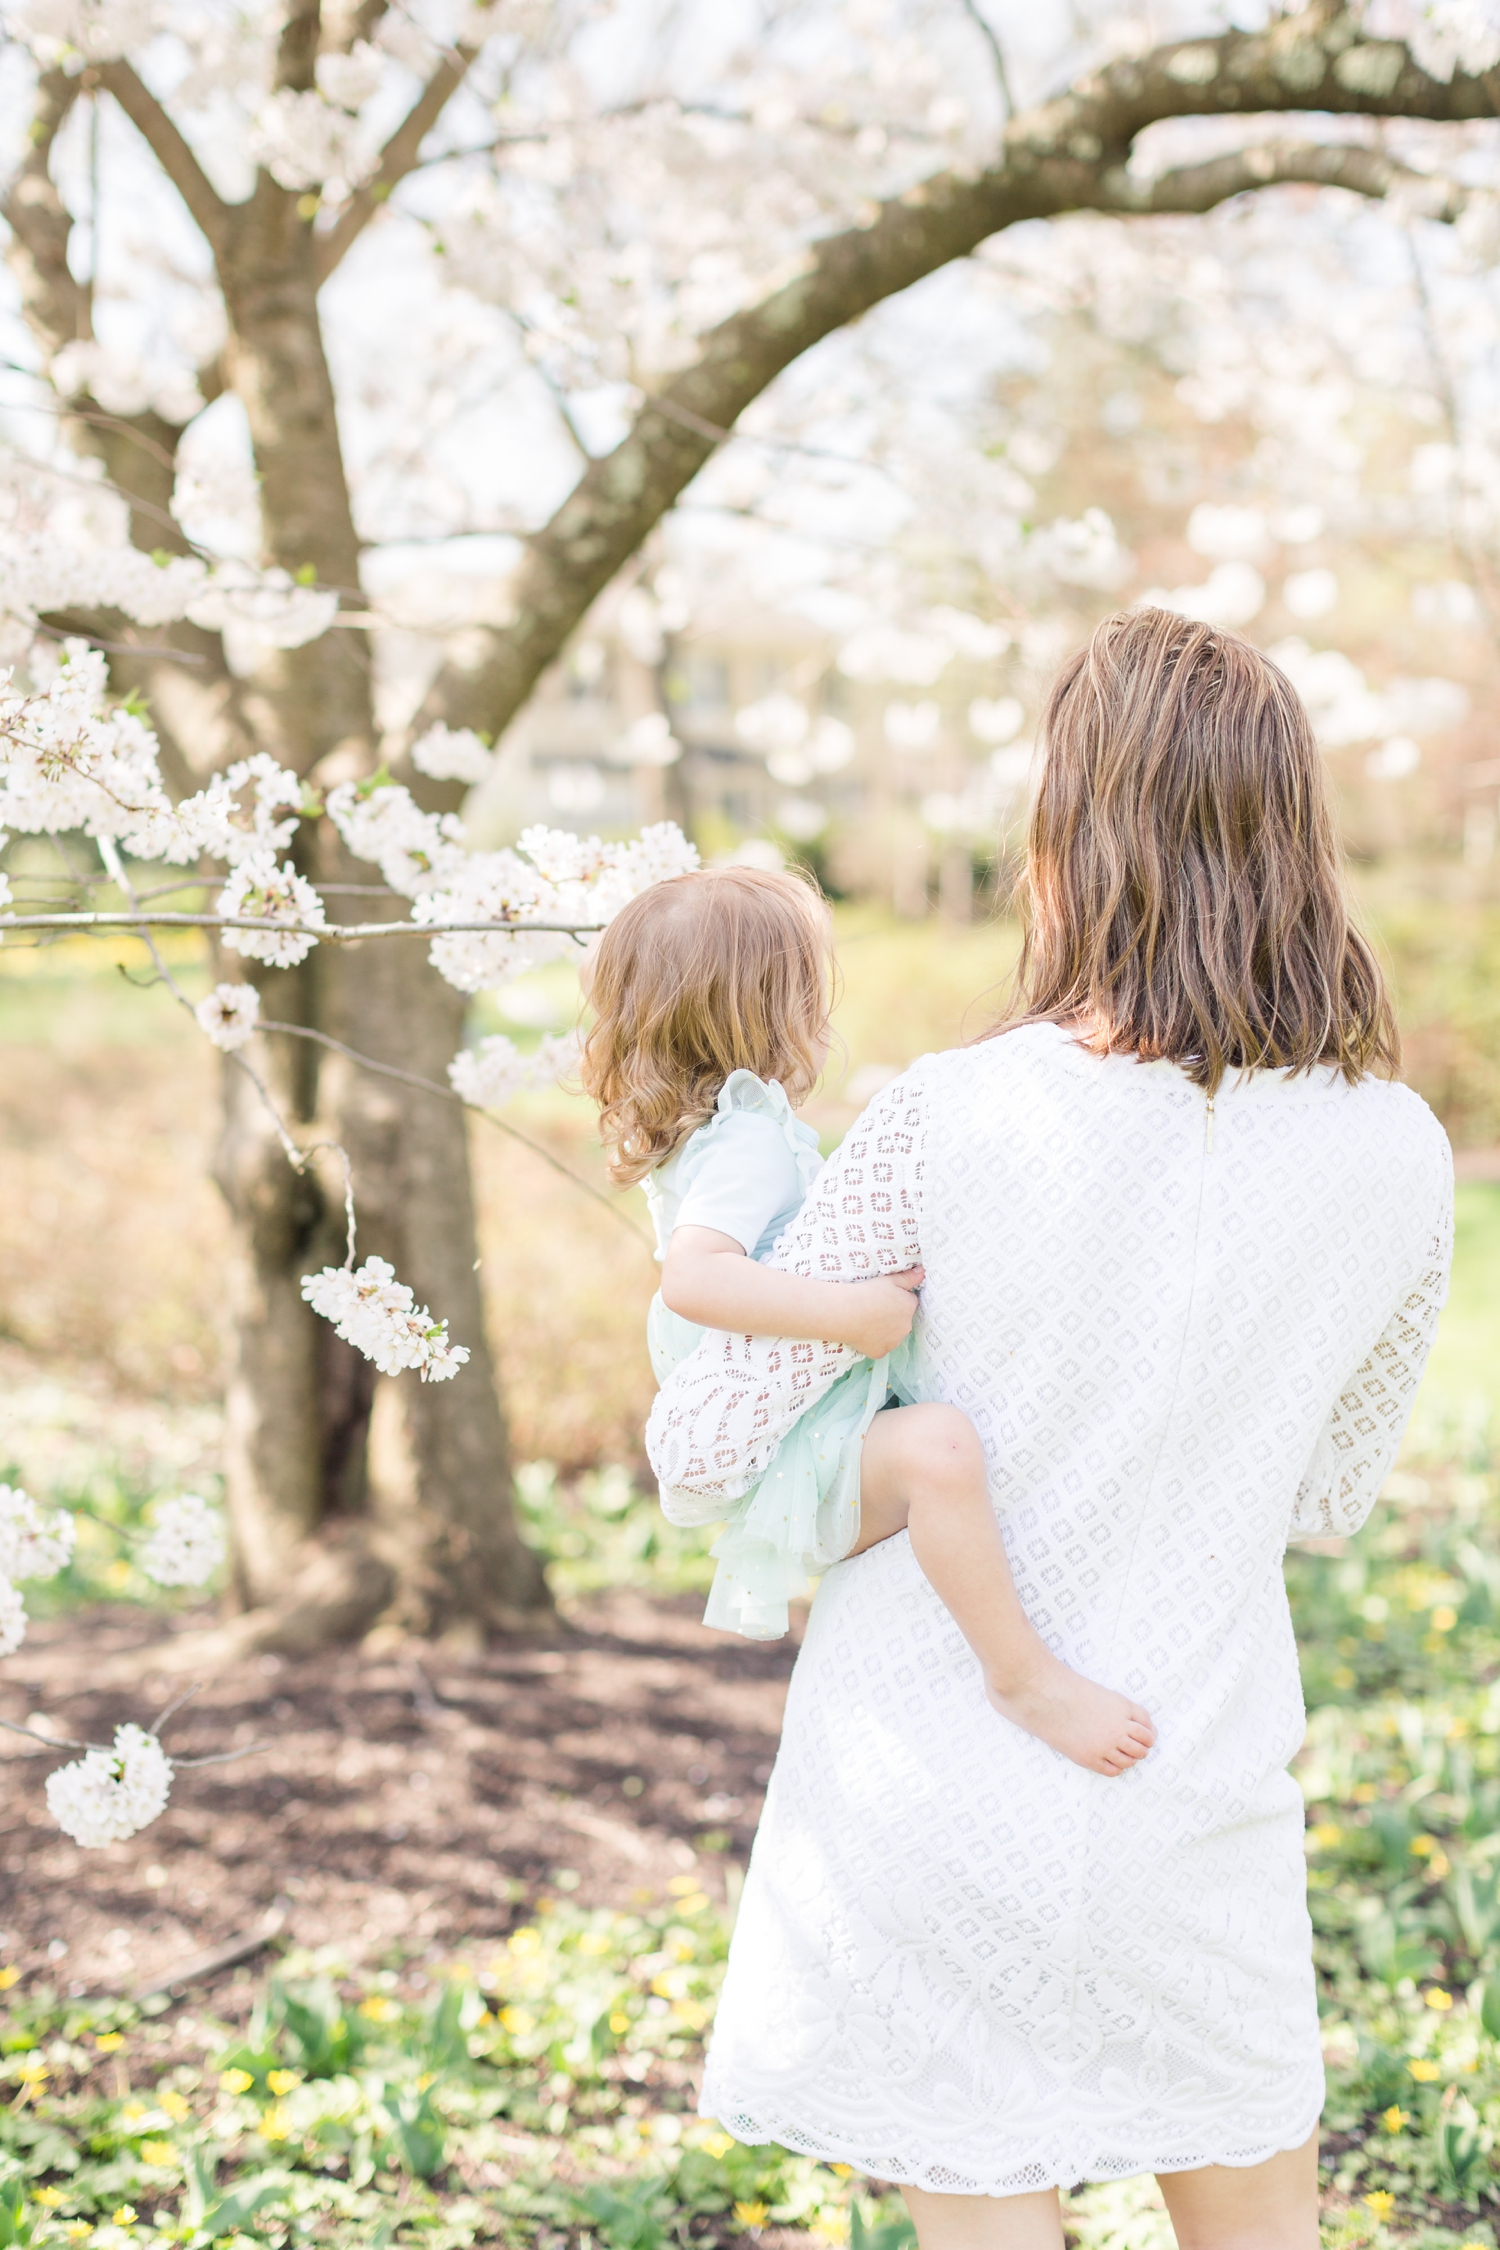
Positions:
{"x": 380, "y": 1317}
{"x": 452, "y": 754}
{"x": 489, "y": 1074}
{"x": 70, "y": 759}
{"x": 107, "y": 1795}
{"x": 552, "y": 876}
{"x": 413, "y": 850}
{"x": 185, "y": 1544}
{"x": 40, "y": 574}
{"x": 276, "y": 896}
{"x": 34, "y": 1543}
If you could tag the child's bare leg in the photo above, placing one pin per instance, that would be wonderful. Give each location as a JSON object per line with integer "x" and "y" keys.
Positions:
{"x": 923, "y": 1470}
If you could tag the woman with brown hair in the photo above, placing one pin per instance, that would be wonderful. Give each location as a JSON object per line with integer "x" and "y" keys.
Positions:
{"x": 1185, "y": 1241}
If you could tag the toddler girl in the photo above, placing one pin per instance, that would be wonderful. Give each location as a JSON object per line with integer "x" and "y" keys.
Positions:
{"x": 711, "y": 996}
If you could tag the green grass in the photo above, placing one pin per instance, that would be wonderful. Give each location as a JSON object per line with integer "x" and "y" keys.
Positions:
{"x": 1463, "y": 1375}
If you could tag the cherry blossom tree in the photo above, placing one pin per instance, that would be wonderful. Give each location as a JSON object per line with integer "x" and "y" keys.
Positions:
{"x": 651, "y": 215}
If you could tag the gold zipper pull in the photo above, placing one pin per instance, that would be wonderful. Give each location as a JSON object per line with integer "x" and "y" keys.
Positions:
{"x": 1208, "y": 1136}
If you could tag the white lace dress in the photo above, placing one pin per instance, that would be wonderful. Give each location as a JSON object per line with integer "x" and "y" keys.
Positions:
{"x": 1183, "y": 1337}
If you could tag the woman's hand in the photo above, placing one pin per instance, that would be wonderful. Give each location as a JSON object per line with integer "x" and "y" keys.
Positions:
{"x": 880, "y": 1312}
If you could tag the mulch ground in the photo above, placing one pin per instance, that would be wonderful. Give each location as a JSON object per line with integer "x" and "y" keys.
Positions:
{"x": 405, "y": 1801}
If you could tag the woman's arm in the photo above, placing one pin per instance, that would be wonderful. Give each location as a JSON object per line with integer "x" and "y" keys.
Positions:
{"x": 721, "y": 1414}
{"x": 1358, "y": 1442}
{"x": 707, "y": 1277}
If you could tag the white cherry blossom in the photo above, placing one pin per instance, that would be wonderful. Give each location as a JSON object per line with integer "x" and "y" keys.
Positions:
{"x": 414, "y": 850}
{"x": 275, "y": 895}
{"x": 380, "y": 1317}
{"x": 452, "y": 754}
{"x": 109, "y": 1795}
{"x": 489, "y": 1074}
{"x": 34, "y": 1542}
{"x": 229, "y": 1015}
{"x": 12, "y": 1618}
{"x": 185, "y": 1545}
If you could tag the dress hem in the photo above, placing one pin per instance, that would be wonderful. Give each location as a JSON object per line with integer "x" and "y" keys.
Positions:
{"x": 1022, "y": 2179}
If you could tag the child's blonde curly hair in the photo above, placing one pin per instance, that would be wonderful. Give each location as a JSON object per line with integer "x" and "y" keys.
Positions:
{"x": 729, "y": 968}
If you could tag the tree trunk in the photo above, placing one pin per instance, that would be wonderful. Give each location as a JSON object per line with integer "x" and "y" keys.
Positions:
{"x": 350, "y": 1494}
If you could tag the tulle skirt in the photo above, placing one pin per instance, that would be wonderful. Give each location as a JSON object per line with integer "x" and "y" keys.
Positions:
{"x": 803, "y": 1516}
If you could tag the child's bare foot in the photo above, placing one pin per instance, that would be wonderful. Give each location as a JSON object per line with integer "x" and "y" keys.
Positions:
{"x": 1090, "y": 1724}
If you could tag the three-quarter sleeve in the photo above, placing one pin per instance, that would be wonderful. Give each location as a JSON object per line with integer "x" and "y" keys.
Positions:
{"x": 1358, "y": 1442}
{"x": 721, "y": 1414}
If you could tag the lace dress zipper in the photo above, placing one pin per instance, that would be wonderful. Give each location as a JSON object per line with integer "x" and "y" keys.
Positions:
{"x": 1208, "y": 1128}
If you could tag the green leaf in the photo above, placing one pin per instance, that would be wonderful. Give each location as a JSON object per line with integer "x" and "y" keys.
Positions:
{"x": 306, "y": 574}
{"x": 1489, "y": 2007}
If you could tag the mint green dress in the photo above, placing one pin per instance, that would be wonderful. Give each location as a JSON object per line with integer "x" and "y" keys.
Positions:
{"x": 746, "y": 1173}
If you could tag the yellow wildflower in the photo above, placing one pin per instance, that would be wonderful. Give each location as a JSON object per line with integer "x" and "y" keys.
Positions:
{"x": 1438, "y": 1999}
{"x": 48, "y": 2197}
{"x": 690, "y": 2014}
{"x": 619, "y": 2023}
{"x": 1380, "y": 2202}
{"x": 109, "y": 2042}
{"x": 1424, "y": 2072}
{"x": 175, "y": 2104}
{"x": 682, "y": 1886}
{"x": 1422, "y": 1846}
{"x": 693, "y": 1903}
{"x": 750, "y": 2214}
{"x": 428, "y": 2078}
{"x": 378, "y": 2009}
{"x": 841, "y": 2171}
{"x": 34, "y": 2072}
{"x": 1443, "y": 1619}
{"x": 125, "y": 2216}
{"x": 593, "y": 1941}
{"x": 158, "y": 2152}
{"x": 517, "y": 2021}
{"x": 79, "y": 2230}
{"x": 274, "y": 2125}
{"x": 236, "y": 2081}
{"x": 133, "y": 2112}
{"x": 525, "y": 1941}
{"x": 718, "y": 2144}
{"x": 9, "y": 1975}
{"x": 1395, "y": 2117}
{"x": 1326, "y": 1834}
{"x": 283, "y": 2081}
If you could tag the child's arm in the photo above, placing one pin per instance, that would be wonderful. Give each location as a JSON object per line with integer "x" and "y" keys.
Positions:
{"x": 707, "y": 1277}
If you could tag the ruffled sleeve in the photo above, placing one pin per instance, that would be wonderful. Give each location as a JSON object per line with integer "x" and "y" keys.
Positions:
{"x": 721, "y": 1414}
{"x": 747, "y": 1170}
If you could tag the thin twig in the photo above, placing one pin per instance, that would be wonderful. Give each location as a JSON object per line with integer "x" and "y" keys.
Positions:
{"x": 220, "y": 1757}
{"x": 991, "y": 38}
{"x": 448, "y": 1094}
{"x": 49, "y": 1742}
{"x": 116, "y": 867}
{"x": 335, "y": 933}
{"x": 174, "y": 1707}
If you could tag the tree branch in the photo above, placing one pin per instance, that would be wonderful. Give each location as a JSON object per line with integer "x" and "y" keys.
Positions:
{"x": 171, "y": 151}
{"x": 991, "y": 38}
{"x": 55, "y": 305}
{"x": 397, "y": 158}
{"x": 1068, "y": 154}
{"x": 1362, "y": 169}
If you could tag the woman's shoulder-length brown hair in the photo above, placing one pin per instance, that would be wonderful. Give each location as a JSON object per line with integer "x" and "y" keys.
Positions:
{"x": 1184, "y": 891}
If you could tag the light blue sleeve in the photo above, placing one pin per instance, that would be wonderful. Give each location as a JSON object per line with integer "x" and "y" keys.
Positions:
{"x": 741, "y": 1176}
